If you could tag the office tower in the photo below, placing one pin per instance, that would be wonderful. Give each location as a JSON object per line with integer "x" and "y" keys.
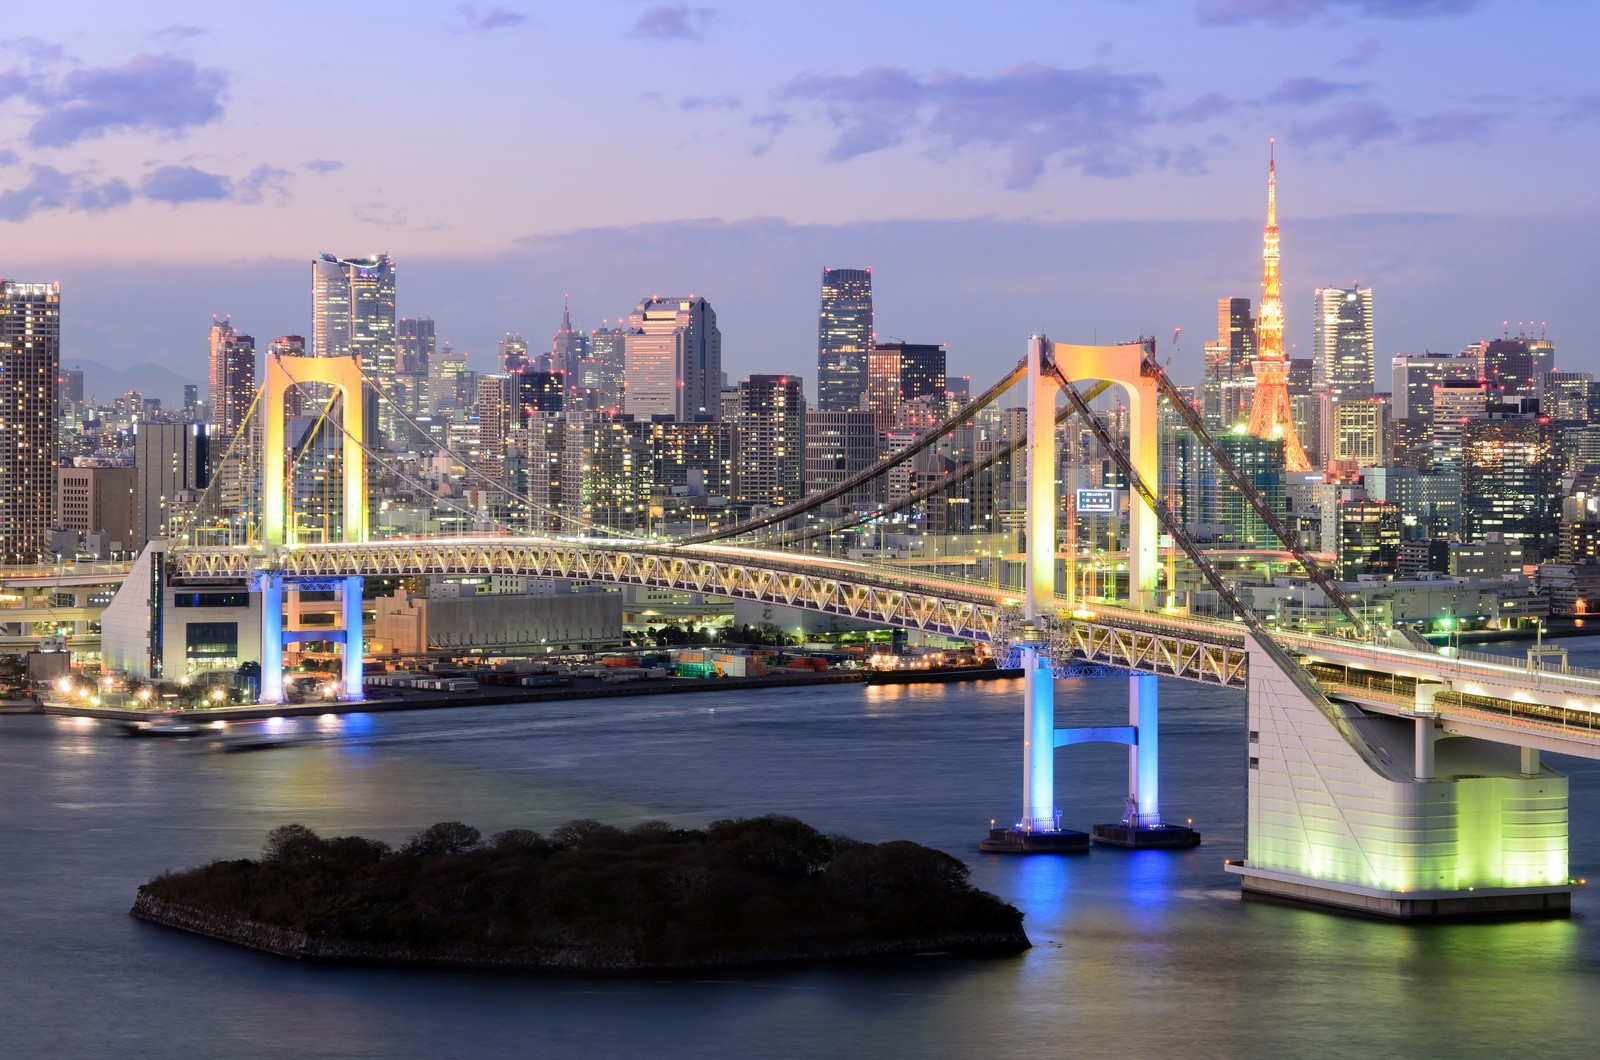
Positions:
{"x": 512, "y": 353}
{"x": 844, "y": 336}
{"x": 607, "y": 478}
{"x": 446, "y": 371}
{"x": 415, "y": 341}
{"x": 1510, "y": 482}
{"x": 1353, "y": 432}
{"x": 232, "y": 376}
{"x": 1414, "y": 375}
{"x": 1227, "y": 388}
{"x": 1509, "y": 364}
{"x": 838, "y": 445}
{"x": 1341, "y": 341}
{"x": 601, "y": 382}
{"x": 536, "y": 392}
{"x": 770, "y": 441}
{"x": 673, "y": 358}
{"x": 1270, "y": 416}
{"x": 901, "y": 372}
{"x": 96, "y": 500}
{"x": 191, "y": 399}
{"x": 570, "y": 347}
{"x": 1456, "y": 403}
{"x": 72, "y": 387}
{"x": 352, "y": 314}
{"x": 1567, "y": 396}
{"x": 1369, "y": 538}
{"x": 694, "y": 458}
{"x": 958, "y": 388}
{"x": 172, "y": 468}
{"x": 1261, "y": 462}
{"x": 494, "y": 405}
{"x": 30, "y": 360}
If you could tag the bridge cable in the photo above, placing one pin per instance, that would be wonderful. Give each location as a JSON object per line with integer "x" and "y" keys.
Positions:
{"x": 860, "y": 478}
{"x": 1286, "y": 534}
{"x": 197, "y": 508}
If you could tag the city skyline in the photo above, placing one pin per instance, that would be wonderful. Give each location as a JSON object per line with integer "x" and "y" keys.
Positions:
{"x": 1024, "y": 167}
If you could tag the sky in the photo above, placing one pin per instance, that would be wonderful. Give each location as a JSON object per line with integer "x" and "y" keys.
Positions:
{"x": 1094, "y": 171}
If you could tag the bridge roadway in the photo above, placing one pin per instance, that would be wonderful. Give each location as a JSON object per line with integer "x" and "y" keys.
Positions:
{"x": 1476, "y": 696}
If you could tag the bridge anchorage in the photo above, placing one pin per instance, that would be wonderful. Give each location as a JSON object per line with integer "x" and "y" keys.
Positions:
{"x": 1382, "y": 778}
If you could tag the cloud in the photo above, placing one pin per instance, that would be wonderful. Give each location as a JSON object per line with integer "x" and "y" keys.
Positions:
{"x": 1582, "y": 108}
{"x": 1300, "y": 91}
{"x": 178, "y": 32}
{"x": 1365, "y": 53}
{"x": 253, "y": 187}
{"x": 672, "y": 22}
{"x": 1454, "y": 126}
{"x": 1297, "y": 12}
{"x": 324, "y": 165}
{"x": 181, "y": 184}
{"x": 1211, "y": 105}
{"x": 8, "y": 157}
{"x": 1350, "y": 125}
{"x": 149, "y": 93}
{"x": 708, "y": 103}
{"x": 492, "y": 19}
{"x": 1041, "y": 115}
{"x": 50, "y": 189}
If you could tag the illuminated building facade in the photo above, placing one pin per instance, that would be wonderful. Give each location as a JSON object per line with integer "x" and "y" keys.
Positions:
{"x": 1270, "y": 415}
{"x": 770, "y": 441}
{"x": 606, "y": 476}
{"x": 673, "y": 359}
{"x": 231, "y": 368}
{"x": 1228, "y": 386}
{"x": 903, "y": 372}
{"x": 692, "y": 456}
{"x": 352, "y": 314}
{"x": 1510, "y": 482}
{"x": 601, "y": 377}
{"x": 512, "y": 353}
{"x": 1414, "y": 375}
{"x": 844, "y": 339}
{"x": 838, "y": 445}
{"x": 1343, "y": 358}
{"x": 1369, "y": 538}
{"x": 536, "y": 392}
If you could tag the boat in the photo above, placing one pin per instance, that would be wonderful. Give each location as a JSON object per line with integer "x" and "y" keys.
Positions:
{"x": 179, "y": 728}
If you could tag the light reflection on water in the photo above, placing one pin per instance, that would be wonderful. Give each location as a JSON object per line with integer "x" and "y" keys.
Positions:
{"x": 1135, "y": 952}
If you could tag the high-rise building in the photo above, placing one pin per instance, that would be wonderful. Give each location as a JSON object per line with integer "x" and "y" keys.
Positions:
{"x": 494, "y": 403}
{"x": 30, "y": 361}
{"x": 844, "y": 337}
{"x": 1353, "y": 431}
{"x": 513, "y": 353}
{"x": 1568, "y": 396}
{"x": 1270, "y": 415}
{"x": 770, "y": 441}
{"x": 901, "y": 372}
{"x": 536, "y": 392}
{"x": 232, "y": 372}
{"x": 1511, "y": 364}
{"x": 1369, "y": 538}
{"x": 1260, "y": 460}
{"x": 1341, "y": 340}
{"x": 1510, "y": 482}
{"x": 98, "y": 499}
{"x": 1456, "y": 403}
{"x": 570, "y": 347}
{"x": 673, "y": 355}
{"x": 352, "y": 314}
{"x": 415, "y": 341}
{"x": 607, "y": 476}
{"x": 1414, "y": 375}
{"x": 838, "y": 445}
{"x": 601, "y": 373}
{"x": 172, "y": 467}
{"x": 1227, "y": 389}
{"x": 72, "y": 387}
{"x": 694, "y": 457}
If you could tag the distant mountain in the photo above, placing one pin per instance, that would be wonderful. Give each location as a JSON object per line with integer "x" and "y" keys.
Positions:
{"x": 103, "y": 384}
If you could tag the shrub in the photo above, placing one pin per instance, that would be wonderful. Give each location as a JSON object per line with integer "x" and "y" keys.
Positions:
{"x": 446, "y": 837}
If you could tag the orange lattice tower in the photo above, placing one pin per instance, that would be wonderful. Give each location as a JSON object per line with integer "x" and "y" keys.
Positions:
{"x": 1269, "y": 416}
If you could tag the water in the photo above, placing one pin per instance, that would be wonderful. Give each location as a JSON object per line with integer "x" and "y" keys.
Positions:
{"x": 1139, "y": 954}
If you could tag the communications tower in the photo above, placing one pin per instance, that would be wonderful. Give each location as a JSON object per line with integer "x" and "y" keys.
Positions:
{"x": 1269, "y": 416}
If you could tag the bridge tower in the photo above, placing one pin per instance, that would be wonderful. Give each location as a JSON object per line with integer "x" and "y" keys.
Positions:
{"x": 278, "y": 525}
{"x": 1039, "y": 825}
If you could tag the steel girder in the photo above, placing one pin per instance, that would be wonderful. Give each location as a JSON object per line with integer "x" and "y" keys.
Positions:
{"x": 1220, "y": 661}
{"x": 829, "y": 589}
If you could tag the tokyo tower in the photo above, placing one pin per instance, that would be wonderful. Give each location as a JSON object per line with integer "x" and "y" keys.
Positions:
{"x": 1269, "y": 416}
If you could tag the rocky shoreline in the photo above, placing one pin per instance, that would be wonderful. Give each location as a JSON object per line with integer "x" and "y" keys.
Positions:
{"x": 578, "y": 957}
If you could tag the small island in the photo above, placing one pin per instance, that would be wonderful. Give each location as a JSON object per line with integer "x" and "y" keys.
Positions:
{"x": 589, "y": 897}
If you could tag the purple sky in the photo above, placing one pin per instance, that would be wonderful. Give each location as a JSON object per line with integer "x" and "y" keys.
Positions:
{"x": 1090, "y": 170}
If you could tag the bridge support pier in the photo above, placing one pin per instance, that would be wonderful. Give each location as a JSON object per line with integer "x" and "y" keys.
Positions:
{"x": 350, "y": 608}
{"x": 1141, "y": 827}
{"x": 1038, "y": 743}
{"x": 271, "y": 589}
{"x": 1345, "y": 809}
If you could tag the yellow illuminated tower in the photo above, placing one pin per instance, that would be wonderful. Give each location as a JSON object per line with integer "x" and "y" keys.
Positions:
{"x": 1269, "y": 416}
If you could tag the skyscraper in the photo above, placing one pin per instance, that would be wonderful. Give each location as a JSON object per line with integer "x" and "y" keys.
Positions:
{"x": 898, "y": 372}
{"x": 601, "y": 374}
{"x": 1270, "y": 416}
{"x": 569, "y": 347}
{"x": 232, "y": 374}
{"x": 352, "y": 314}
{"x": 1341, "y": 341}
{"x": 673, "y": 359}
{"x": 844, "y": 337}
{"x": 1228, "y": 386}
{"x": 770, "y": 441}
{"x": 513, "y": 352}
{"x": 30, "y": 360}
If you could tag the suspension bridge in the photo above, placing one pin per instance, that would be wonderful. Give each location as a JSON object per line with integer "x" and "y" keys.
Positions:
{"x": 1382, "y": 776}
